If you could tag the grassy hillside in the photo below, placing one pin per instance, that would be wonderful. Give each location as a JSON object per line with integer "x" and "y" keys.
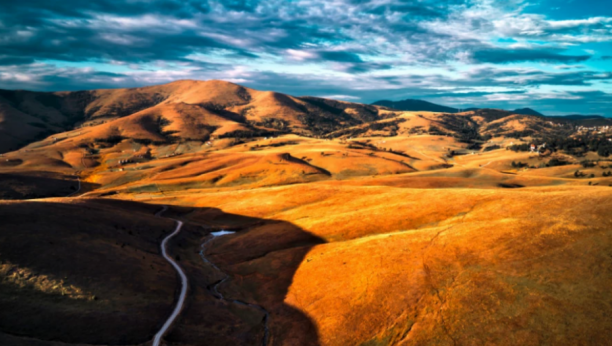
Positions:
{"x": 354, "y": 224}
{"x": 418, "y": 266}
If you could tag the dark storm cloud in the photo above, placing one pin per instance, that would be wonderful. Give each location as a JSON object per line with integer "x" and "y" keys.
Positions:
{"x": 503, "y": 56}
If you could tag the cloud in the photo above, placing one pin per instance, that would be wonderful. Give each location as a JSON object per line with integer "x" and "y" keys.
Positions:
{"x": 503, "y": 56}
{"x": 368, "y": 49}
{"x": 341, "y": 56}
{"x": 569, "y": 67}
{"x": 341, "y": 97}
{"x": 240, "y": 5}
{"x": 300, "y": 55}
{"x": 595, "y": 29}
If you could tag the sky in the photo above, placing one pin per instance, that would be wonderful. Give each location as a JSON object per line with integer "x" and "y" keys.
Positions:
{"x": 551, "y": 55}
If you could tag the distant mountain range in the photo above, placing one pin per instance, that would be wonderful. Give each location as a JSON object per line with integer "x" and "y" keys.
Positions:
{"x": 424, "y": 106}
{"x": 415, "y": 105}
{"x": 578, "y": 117}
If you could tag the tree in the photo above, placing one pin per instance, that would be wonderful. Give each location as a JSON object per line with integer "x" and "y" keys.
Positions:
{"x": 587, "y": 164}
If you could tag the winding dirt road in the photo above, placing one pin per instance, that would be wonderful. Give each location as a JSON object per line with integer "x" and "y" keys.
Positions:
{"x": 179, "y": 270}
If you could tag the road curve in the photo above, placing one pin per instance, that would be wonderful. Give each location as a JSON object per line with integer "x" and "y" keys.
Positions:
{"x": 179, "y": 270}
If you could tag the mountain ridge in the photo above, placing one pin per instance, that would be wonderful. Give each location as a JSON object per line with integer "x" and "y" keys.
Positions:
{"x": 202, "y": 110}
{"x": 416, "y": 105}
{"x": 27, "y": 116}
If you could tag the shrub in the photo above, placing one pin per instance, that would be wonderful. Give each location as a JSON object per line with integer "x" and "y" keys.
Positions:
{"x": 556, "y": 162}
{"x": 587, "y": 164}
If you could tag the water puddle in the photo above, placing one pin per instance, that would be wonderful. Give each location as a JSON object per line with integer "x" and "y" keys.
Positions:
{"x": 221, "y": 233}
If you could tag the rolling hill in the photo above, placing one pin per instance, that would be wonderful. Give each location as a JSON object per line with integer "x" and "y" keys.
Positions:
{"x": 352, "y": 224}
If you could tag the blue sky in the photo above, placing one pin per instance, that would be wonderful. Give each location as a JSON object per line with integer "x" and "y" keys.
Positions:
{"x": 553, "y": 56}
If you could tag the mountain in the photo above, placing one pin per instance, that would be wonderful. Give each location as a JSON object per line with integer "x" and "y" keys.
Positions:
{"x": 92, "y": 132}
{"x": 527, "y": 111}
{"x": 199, "y": 110}
{"x": 415, "y": 105}
{"x": 424, "y": 106}
{"x": 187, "y": 109}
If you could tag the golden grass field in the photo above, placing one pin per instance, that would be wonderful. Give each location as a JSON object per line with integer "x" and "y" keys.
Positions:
{"x": 377, "y": 236}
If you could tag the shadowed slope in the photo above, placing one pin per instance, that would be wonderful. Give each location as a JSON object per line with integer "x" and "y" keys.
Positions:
{"x": 90, "y": 272}
{"x": 81, "y": 271}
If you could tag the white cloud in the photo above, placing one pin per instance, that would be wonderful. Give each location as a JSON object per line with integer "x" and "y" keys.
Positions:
{"x": 341, "y": 97}
{"x": 300, "y": 55}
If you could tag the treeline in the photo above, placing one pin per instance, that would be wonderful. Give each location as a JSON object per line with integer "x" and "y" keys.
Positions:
{"x": 581, "y": 144}
{"x": 391, "y": 126}
{"x": 250, "y": 133}
{"x": 577, "y": 146}
{"x": 467, "y": 130}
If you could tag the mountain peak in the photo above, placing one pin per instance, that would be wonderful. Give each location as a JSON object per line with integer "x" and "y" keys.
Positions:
{"x": 527, "y": 111}
{"x": 415, "y": 105}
